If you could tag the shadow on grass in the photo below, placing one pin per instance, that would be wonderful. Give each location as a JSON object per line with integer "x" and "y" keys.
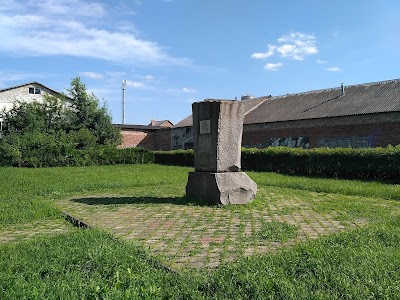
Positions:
{"x": 141, "y": 200}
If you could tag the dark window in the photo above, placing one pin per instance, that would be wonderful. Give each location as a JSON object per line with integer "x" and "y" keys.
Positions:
{"x": 36, "y": 91}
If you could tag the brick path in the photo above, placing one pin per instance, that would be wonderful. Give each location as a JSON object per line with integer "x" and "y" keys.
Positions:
{"x": 21, "y": 232}
{"x": 202, "y": 236}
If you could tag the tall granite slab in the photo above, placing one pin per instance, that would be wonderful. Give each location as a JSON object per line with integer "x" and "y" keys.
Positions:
{"x": 217, "y": 134}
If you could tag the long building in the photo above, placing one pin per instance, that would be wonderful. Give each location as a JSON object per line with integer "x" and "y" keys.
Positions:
{"x": 362, "y": 115}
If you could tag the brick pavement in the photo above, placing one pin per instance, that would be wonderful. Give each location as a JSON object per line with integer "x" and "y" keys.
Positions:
{"x": 20, "y": 232}
{"x": 196, "y": 236}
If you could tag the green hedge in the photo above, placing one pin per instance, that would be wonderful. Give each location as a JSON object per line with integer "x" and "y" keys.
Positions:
{"x": 376, "y": 163}
{"x": 339, "y": 162}
{"x": 109, "y": 155}
{"x": 175, "y": 158}
{"x": 42, "y": 150}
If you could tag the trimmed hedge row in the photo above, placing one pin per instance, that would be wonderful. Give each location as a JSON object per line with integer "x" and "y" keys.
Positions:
{"x": 175, "y": 158}
{"x": 364, "y": 163}
{"x": 62, "y": 149}
{"x": 377, "y": 163}
{"x": 50, "y": 156}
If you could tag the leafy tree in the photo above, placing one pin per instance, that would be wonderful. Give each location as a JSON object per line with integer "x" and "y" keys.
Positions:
{"x": 78, "y": 115}
{"x": 86, "y": 113}
{"x": 45, "y": 117}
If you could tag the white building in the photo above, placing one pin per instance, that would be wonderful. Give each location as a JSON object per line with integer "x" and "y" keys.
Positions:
{"x": 28, "y": 92}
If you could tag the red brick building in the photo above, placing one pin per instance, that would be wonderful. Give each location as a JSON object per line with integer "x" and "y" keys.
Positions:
{"x": 155, "y": 136}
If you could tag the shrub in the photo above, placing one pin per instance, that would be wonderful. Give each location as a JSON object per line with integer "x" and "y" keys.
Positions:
{"x": 339, "y": 162}
{"x": 60, "y": 149}
{"x": 367, "y": 163}
{"x": 175, "y": 158}
{"x": 37, "y": 150}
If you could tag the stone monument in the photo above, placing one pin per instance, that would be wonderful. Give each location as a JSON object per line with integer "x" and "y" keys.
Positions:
{"x": 217, "y": 137}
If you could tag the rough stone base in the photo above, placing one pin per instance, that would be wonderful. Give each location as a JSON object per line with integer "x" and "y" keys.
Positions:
{"x": 221, "y": 188}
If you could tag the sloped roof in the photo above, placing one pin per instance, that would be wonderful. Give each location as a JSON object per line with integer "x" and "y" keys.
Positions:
{"x": 360, "y": 99}
{"x": 368, "y": 98}
{"x": 188, "y": 121}
{"x": 249, "y": 105}
{"x": 36, "y": 84}
{"x": 161, "y": 123}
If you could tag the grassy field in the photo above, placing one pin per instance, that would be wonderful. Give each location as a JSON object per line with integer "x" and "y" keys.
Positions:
{"x": 90, "y": 264}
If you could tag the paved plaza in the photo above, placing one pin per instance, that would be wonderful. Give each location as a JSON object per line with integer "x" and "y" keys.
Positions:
{"x": 198, "y": 236}
{"x": 20, "y": 232}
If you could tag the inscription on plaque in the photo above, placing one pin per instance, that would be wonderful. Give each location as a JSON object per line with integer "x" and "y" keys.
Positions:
{"x": 205, "y": 127}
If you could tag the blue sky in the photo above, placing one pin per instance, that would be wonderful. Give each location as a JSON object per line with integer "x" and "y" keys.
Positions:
{"x": 175, "y": 52}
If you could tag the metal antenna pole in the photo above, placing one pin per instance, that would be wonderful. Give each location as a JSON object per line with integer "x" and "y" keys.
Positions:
{"x": 123, "y": 100}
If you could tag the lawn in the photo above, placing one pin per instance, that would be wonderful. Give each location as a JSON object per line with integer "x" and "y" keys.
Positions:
{"x": 357, "y": 263}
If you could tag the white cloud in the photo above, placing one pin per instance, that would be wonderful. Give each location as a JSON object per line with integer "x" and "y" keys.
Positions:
{"x": 92, "y": 75}
{"x": 136, "y": 84}
{"x": 295, "y": 46}
{"x": 333, "y": 69}
{"x": 263, "y": 55}
{"x": 320, "y": 62}
{"x": 115, "y": 74}
{"x": 273, "y": 67}
{"x": 148, "y": 78}
{"x": 42, "y": 32}
{"x": 68, "y": 7}
{"x": 188, "y": 90}
{"x": 180, "y": 91}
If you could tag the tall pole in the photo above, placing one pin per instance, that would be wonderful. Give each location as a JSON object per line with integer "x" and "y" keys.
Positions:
{"x": 123, "y": 100}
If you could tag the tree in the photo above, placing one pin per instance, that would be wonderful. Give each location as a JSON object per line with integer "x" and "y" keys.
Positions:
{"x": 86, "y": 113}
{"x": 78, "y": 115}
{"x": 44, "y": 117}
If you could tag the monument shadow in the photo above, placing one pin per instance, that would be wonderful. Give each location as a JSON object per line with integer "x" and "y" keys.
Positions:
{"x": 185, "y": 200}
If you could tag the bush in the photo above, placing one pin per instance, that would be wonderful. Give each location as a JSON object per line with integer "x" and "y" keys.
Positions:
{"x": 367, "y": 163}
{"x": 109, "y": 155}
{"x": 175, "y": 158}
{"x": 60, "y": 149}
{"x": 37, "y": 150}
{"x": 376, "y": 163}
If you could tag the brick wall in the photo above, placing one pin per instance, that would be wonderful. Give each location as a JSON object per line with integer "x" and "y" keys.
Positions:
{"x": 162, "y": 139}
{"x": 379, "y": 129}
{"x": 153, "y": 139}
{"x": 136, "y": 139}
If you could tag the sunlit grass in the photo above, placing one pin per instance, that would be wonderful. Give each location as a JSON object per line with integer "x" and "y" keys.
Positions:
{"x": 378, "y": 189}
{"x": 358, "y": 264}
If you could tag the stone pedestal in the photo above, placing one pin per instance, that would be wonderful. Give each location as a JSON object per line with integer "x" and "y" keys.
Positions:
{"x": 217, "y": 137}
{"x": 221, "y": 188}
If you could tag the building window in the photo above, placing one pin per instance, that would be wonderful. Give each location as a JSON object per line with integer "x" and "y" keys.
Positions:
{"x": 35, "y": 91}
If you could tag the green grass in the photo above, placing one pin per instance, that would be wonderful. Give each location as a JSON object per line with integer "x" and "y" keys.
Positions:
{"x": 277, "y": 231}
{"x": 84, "y": 265}
{"x": 362, "y": 264}
{"x": 89, "y": 264}
{"x": 27, "y": 194}
{"x": 380, "y": 189}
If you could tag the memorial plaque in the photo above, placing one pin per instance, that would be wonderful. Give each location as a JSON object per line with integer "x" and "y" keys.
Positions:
{"x": 205, "y": 127}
